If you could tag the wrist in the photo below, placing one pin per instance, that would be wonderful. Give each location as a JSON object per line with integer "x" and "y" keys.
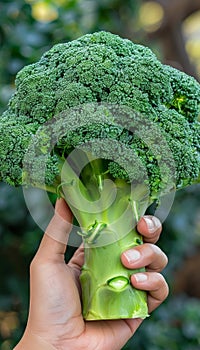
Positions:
{"x": 32, "y": 341}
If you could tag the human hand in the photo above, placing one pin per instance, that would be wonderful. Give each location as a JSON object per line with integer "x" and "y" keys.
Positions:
{"x": 55, "y": 320}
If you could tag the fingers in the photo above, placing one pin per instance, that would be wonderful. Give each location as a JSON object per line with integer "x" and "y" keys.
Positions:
{"x": 150, "y": 256}
{"x": 77, "y": 259}
{"x": 145, "y": 255}
{"x": 155, "y": 284}
{"x": 53, "y": 244}
{"x": 150, "y": 228}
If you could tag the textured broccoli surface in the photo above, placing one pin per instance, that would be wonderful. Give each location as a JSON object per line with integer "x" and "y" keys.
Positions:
{"x": 96, "y": 109}
{"x": 105, "y": 68}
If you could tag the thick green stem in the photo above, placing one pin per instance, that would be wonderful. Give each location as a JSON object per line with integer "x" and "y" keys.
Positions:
{"x": 107, "y": 292}
{"x": 108, "y": 229}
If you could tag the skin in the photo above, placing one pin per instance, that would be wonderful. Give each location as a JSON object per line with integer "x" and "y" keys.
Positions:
{"x": 55, "y": 308}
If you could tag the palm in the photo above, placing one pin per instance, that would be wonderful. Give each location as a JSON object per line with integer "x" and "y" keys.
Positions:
{"x": 61, "y": 310}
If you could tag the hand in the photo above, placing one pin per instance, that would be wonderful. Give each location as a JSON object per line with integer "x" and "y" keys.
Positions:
{"x": 55, "y": 320}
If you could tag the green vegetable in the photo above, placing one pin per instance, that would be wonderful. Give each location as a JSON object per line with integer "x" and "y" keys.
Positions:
{"x": 101, "y": 122}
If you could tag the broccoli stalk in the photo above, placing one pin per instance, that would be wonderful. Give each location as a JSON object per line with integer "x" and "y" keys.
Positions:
{"x": 107, "y": 232}
{"x": 101, "y": 122}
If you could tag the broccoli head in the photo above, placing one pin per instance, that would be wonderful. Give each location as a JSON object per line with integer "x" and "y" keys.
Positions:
{"x": 95, "y": 111}
{"x": 103, "y": 68}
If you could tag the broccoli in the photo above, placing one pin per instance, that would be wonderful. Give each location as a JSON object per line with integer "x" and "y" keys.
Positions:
{"x": 102, "y": 123}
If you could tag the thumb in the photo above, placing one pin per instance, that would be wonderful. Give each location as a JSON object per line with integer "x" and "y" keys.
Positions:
{"x": 56, "y": 236}
{"x": 62, "y": 210}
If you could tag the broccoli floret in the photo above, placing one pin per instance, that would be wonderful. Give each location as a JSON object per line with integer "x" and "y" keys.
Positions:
{"x": 101, "y": 122}
{"x": 186, "y": 97}
{"x": 98, "y": 67}
{"x": 14, "y": 142}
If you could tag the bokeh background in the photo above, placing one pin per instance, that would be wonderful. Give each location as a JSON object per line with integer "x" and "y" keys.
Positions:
{"x": 172, "y": 30}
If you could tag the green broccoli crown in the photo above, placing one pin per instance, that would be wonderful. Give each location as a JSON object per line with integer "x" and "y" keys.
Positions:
{"x": 102, "y": 68}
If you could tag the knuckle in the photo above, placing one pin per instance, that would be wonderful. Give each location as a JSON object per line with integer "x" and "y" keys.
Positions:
{"x": 166, "y": 291}
{"x": 157, "y": 225}
{"x": 161, "y": 279}
{"x": 35, "y": 264}
{"x": 32, "y": 266}
{"x": 162, "y": 284}
{"x": 157, "y": 255}
{"x": 155, "y": 249}
{"x": 165, "y": 260}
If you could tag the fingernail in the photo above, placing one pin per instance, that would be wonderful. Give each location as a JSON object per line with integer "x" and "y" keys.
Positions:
{"x": 140, "y": 277}
{"x": 152, "y": 223}
{"x": 132, "y": 255}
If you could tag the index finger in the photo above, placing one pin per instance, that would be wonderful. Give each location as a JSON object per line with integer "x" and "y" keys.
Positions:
{"x": 150, "y": 228}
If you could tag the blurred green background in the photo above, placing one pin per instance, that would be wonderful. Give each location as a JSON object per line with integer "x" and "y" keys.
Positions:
{"x": 172, "y": 29}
